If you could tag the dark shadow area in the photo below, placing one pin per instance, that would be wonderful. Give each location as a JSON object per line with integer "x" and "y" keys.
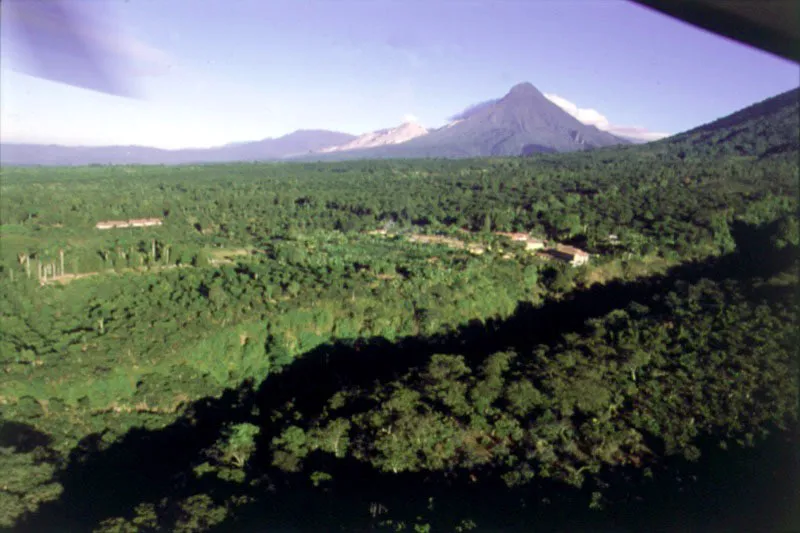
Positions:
{"x": 740, "y": 490}
{"x": 725, "y": 491}
{"x": 22, "y": 437}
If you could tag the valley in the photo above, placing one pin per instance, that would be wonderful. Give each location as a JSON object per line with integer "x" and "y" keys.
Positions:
{"x": 369, "y": 342}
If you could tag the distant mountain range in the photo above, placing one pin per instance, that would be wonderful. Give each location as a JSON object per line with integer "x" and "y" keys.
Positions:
{"x": 296, "y": 143}
{"x": 523, "y": 122}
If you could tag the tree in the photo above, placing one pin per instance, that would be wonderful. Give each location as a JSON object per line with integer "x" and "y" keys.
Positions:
{"x": 568, "y": 225}
{"x": 723, "y": 239}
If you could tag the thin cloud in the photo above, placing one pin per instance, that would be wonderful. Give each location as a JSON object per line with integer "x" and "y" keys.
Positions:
{"x": 637, "y": 134}
{"x": 408, "y": 117}
{"x": 471, "y": 110}
{"x": 592, "y": 117}
{"x": 72, "y": 44}
{"x": 146, "y": 60}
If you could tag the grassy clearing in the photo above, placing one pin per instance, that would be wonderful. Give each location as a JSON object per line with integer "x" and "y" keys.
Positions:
{"x": 219, "y": 256}
{"x": 619, "y": 268}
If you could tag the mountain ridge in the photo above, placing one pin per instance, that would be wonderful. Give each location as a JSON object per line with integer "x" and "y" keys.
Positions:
{"x": 764, "y": 129}
{"x": 292, "y": 144}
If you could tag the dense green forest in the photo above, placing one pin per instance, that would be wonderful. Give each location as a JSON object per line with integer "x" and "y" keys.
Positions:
{"x": 674, "y": 207}
{"x": 268, "y": 342}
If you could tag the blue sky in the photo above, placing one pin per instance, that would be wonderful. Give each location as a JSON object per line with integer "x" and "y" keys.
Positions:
{"x": 213, "y": 72}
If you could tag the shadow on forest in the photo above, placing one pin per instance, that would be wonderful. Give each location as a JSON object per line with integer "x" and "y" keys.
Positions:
{"x": 22, "y": 437}
{"x": 148, "y": 465}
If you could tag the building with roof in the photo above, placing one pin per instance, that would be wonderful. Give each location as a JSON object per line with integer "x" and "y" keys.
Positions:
{"x": 575, "y": 256}
{"x": 531, "y": 243}
{"x": 132, "y": 223}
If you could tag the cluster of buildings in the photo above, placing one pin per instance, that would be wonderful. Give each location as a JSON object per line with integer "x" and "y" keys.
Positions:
{"x": 472, "y": 248}
{"x": 575, "y": 256}
{"x": 132, "y": 223}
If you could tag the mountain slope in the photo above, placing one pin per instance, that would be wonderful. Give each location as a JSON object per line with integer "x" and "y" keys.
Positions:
{"x": 521, "y": 122}
{"x": 765, "y": 129}
{"x": 298, "y": 142}
{"x": 523, "y": 118}
{"x": 402, "y": 133}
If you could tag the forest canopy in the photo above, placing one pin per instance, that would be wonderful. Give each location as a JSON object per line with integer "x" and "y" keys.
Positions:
{"x": 267, "y": 334}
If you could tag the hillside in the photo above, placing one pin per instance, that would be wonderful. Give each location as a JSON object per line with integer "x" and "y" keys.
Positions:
{"x": 765, "y": 129}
